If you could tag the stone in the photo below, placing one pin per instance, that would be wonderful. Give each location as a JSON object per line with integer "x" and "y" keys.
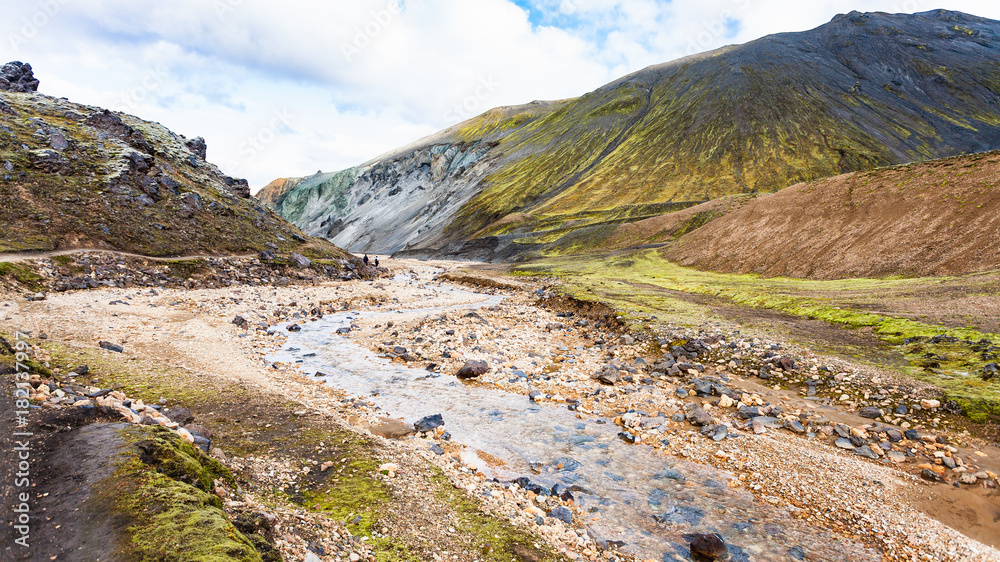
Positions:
{"x": 198, "y": 147}
{"x": 473, "y": 369}
{"x": 391, "y": 428}
{"x": 708, "y": 546}
{"x": 17, "y": 76}
{"x": 870, "y": 412}
{"x": 968, "y": 479}
{"x": 795, "y": 426}
{"x": 49, "y": 161}
{"x": 896, "y": 456}
{"x": 726, "y": 401}
{"x": 294, "y": 328}
{"x": 930, "y": 404}
{"x": 300, "y": 261}
{"x": 429, "y": 423}
{"x": 990, "y": 371}
{"x": 867, "y": 452}
{"x": 563, "y": 514}
{"x": 757, "y": 426}
{"x": 180, "y": 415}
{"x": 786, "y": 363}
{"x": 844, "y": 444}
{"x": 111, "y": 346}
{"x": 930, "y": 475}
{"x": 698, "y": 416}
{"x": 344, "y": 330}
{"x": 241, "y": 322}
{"x": 715, "y": 432}
{"x": 627, "y": 437}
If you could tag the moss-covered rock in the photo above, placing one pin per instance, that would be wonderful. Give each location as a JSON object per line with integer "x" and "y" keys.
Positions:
{"x": 161, "y": 494}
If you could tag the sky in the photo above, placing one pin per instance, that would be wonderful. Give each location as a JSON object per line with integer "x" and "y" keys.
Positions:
{"x": 284, "y": 89}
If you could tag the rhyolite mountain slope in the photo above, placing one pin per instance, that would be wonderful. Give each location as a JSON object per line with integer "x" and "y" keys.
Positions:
{"x": 863, "y": 91}
{"x": 77, "y": 176}
{"x": 930, "y": 218}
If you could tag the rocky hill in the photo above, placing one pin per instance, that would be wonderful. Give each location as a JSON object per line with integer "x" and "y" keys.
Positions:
{"x": 76, "y": 176}
{"x": 863, "y": 91}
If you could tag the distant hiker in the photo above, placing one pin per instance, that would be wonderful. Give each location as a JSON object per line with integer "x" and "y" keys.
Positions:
{"x": 366, "y": 259}
{"x": 376, "y": 262}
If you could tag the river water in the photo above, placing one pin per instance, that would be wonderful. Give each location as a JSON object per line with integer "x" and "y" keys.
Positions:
{"x": 629, "y": 493}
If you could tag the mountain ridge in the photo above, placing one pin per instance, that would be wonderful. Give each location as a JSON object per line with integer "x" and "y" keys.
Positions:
{"x": 861, "y": 92}
{"x": 79, "y": 176}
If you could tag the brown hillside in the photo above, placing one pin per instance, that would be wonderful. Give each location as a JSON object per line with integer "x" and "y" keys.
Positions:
{"x": 933, "y": 218}
{"x": 272, "y": 193}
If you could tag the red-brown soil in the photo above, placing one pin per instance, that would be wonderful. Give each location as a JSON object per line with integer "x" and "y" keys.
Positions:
{"x": 933, "y": 218}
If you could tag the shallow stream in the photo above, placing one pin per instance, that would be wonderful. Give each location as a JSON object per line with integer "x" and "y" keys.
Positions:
{"x": 628, "y": 493}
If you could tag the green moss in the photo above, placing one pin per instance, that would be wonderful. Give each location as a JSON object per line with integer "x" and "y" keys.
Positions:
{"x": 641, "y": 282}
{"x": 148, "y": 381}
{"x": 166, "y": 517}
{"x": 354, "y": 494}
{"x": 22, "y": 274}
{"x": 179, "y": 460}
{"x": 498, "y": 540}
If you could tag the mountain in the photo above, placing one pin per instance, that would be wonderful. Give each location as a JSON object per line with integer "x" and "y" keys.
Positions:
{"x": 931, "y": 218}
{"x": 861, "y": 92}
{"x": 77, "y": 176}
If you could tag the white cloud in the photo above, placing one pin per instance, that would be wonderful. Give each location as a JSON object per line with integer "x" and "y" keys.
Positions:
{"x": 289, "y": 88}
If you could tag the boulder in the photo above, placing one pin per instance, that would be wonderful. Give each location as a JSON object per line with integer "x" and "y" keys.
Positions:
{"x": 49, "y": 161}
{"x": 607, "y": 375}
{"x": 708, "y": 546}
{"x": 182, "y": 416}
{"x": 429, "y": 423}
{"x": 111, "y": 346}
{"x": 698, "y": 416}
{"x": 300, "y": 261}
{"x": 197, "y": 147}
{"x": 239, "y": 187}
{"x": 785, "y": 363}
{"x": 473, "y": 369}
{"x": 17, "y": 76}
{"x": 391, "y": 429}
{"x": 870, "y": 412}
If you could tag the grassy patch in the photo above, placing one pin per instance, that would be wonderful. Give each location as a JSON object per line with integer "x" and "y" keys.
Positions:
{"x": 497, "y": 540}
{"x": 640, "y": 284}
{"x": 22, "y": 274}
{"x": 145, "y": 380}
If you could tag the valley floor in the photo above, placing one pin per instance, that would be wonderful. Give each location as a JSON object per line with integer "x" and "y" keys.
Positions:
{"x": 338, "y": 479}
